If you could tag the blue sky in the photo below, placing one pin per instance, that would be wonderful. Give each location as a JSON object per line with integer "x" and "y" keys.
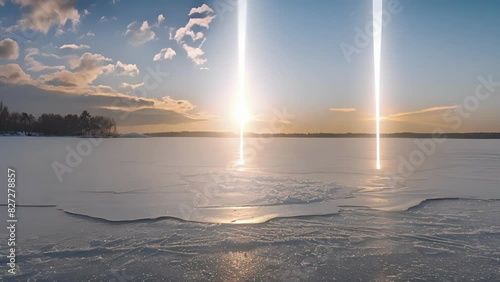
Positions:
{"x": 66, "y": 56}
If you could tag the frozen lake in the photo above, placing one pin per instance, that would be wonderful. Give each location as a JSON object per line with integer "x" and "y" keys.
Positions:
{"x": 196, "y": 179}
{"x": 299, "y": 209}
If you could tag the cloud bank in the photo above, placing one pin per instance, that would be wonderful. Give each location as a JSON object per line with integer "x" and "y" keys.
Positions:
{"x": 41, "y": 15}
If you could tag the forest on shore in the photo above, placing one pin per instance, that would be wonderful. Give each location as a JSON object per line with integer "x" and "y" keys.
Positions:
{"x": 50, "y": 124}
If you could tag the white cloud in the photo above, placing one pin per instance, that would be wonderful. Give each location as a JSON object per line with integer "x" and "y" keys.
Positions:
{"x": 9, "y": 50}
{"x": 161, "y": 18}
{"x": 131, "y": 86}
{"x": 74, "y": 47}
{"x": 165, "y": 53}
{"x": 43, "y": 14}
{"x": 104, "y": 19}
{"x": 2, "y": 2}
{"x": 195, "y": 54}
{"x": 201, "y": 10}
{"x": 187, "y": 30}
{"x": 139, "y": 35}
{"x": 126, "y": 69}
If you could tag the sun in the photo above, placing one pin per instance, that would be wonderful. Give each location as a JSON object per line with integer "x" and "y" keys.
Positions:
{"x": 242, "y": 114}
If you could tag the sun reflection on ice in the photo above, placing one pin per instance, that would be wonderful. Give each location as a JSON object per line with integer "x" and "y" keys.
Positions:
{"x": 239, "y": 266}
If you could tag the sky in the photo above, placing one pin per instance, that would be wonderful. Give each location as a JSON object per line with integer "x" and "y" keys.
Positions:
{"x": 158, "y": 66}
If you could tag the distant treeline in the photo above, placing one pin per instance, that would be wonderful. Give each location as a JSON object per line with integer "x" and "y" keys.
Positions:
{"x": 472, "y": 135}
{"x": 56, "y": 124}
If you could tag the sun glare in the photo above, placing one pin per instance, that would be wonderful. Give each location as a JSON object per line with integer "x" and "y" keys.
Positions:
{"x": 377, "y": 46}
{"x": 242, "y": 109}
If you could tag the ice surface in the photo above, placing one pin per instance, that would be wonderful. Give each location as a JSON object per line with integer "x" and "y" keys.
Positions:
{"x": 178, "y": 209}
{"x": 443, "y": 240}
{"x": 195, "y": 178}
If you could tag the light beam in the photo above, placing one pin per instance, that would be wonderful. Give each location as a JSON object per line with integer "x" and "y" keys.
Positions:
{"x": 242, "y": 37}
{"x": 377, "y": 46}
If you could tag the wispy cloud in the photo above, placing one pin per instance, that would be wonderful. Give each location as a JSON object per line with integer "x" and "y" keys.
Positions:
{"x": 343, "y": 110}
{"x": 104, "y": 19}
{"x": 74, "y": 46}
{"x": 131, "y": 86}
{"x": 137, "y": 35}
{"x": 88, "y": 34}
{"x": 422, "y": 111}
{"x": 36, "y": 66}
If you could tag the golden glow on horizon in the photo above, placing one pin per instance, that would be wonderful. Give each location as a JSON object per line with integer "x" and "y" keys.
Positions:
{"x": 377, "y": 46}
{"x": 242, "y": 36}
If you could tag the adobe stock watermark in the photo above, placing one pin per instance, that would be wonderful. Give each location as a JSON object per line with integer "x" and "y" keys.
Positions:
{"x": 75, "y": 156}
{"x": 252, "y": 146}
{"x": 120, "y": 276}
{"x": 309, "y": 261}
{"x": 151, "y": 81}
{"x": 364, "y": 37}
{"x": 23, "y": 38}
{"x": 455, "y": 117}
{"x": 221, "y": 7}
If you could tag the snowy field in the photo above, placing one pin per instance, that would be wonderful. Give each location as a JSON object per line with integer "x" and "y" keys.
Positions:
{"x": 179, "y": 209}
